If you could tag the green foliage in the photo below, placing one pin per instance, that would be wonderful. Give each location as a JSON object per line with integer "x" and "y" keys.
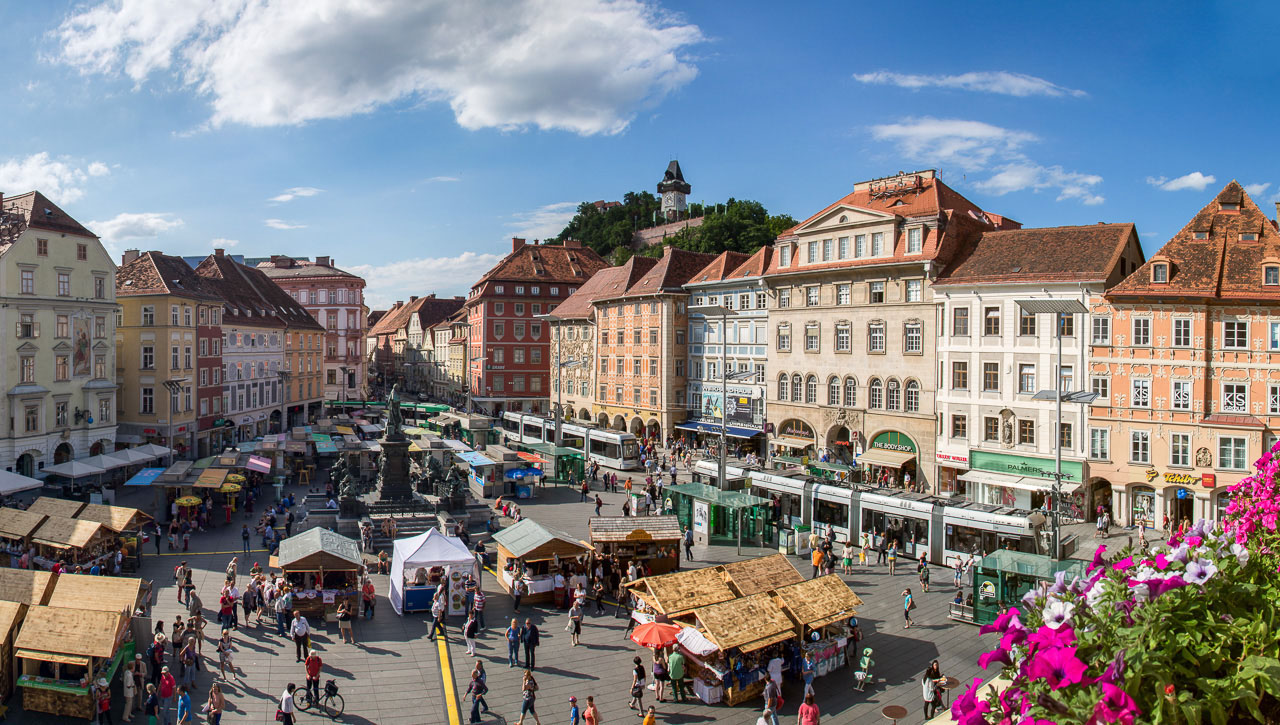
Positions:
{"x": 739, "y": 226}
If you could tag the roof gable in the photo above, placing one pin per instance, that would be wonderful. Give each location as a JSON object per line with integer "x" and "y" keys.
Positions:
{"x": 670, "y": 273}
{"x": 719, "y": 268}
{"x": 39, "y": 213}
{"x": 545, "y": 263}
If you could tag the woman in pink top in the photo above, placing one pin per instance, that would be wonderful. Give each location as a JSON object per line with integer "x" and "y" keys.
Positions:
{"x": 808, "y": 714}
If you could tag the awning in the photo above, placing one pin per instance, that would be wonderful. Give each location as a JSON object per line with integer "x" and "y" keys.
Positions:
{"x": 145, "y": 477}
{"x": 793, "y": 442}
{"x": 474, "y": 459}
{"x": 345, "y": 430}
{"x": 259, "y": 464}
{"x": 127, "y": 438}
{"x": 329, "y": 447}
{"x": 1024, "y": 483}
{"x": 882, "y": 457}
{"x": 703, "y": 426}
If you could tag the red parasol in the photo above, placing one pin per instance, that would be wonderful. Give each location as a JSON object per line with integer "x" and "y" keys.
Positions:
{"x": 654, "y": 634}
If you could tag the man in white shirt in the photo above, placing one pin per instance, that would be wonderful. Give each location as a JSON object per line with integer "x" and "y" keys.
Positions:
{"x": 301, "y": 632}
{"x": 286, "y": 704}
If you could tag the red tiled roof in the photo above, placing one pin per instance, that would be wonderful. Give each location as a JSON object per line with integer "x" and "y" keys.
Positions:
{"x": 1223, "y": 266}
{"x": 671, "y": 272}
{"x": 1073, "y": 253}
{"x": 40, "y": 213}
{"x": 279, "y": 267}
{"x": 251, "y": 298}
{"x": 546, "y": 263}
{"x": 720, "y": 267}
{"x": 755, "y": 265}
{"x": 609, "y": 282}
{"x": 154, "y": 273}
{"x": 430, "y": 310}
{"x": 1235, "y": 421}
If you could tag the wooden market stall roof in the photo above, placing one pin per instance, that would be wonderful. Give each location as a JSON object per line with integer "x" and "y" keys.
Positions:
{"x": 50, "y": 506}
{"x": 818, "y": 602}
{"x": 683, "y": 591}
{"x": 67, "y": 533}
{"x": 10, "y": 613}
{"x": 753, "y": 576}
{"x": 608, "y": 529}
{"x": 19, "y": 524}
{"x": 74, "y": 634}
{"x": 26, "y": 586}
{"x": 317, "y": 549}
{"x": 531, "y": 541}
{"x": 212, "y": 478}
{"x": 99, "y": 593}
{"x": 748, "y": 623}
{"x": 115, "y": 518}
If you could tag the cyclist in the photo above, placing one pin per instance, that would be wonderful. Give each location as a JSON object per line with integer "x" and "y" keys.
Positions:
{"x": 313, "y": 665}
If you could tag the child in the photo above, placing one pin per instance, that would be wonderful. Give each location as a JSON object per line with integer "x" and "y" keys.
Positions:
{"x": 573, "y": 711}
{"x": 650, "y": 716}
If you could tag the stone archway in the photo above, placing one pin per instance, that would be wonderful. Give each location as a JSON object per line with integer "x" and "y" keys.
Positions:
{"x": 26, "y": 465}
{"x": 584, "y": 414}
{"x": 602, "y": 420}
{"x": 841, "y": 442}
{"x": 637, "y": 427}
{"x": 97, "y": 448}
{"x": 1099, "y": 495}
{"x": 63, "y": 453}
{"x": 619, "y": 423}
{"x": 653, "y": 429}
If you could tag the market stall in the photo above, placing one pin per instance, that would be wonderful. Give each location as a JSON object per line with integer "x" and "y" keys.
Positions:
{"x": 677, "y": 595}
{"x": 73, "y": 541}
{"x": 537, "y": 554}
{"x": 16, "y": 528}
{"x": 323, "y": 569}
{"x": 26, "y": 586}
{"x": 126, "y": 524}
{"x": 748, "y": 633}
{"x": 11, "y": 615}
{"x": 125, "y": 595}
{"x": 50, "y": 506}
{"x": 752, "y": 576}
{"x": 825, "y": 609}
{"x": 60, "y": 652}
{"x": 653, "y": 540}
{"x": 422, "y": 564}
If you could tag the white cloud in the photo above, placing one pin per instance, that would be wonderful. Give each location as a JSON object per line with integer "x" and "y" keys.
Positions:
{"x": 1002, "y": 82}
{"x": 294, "y": 193}
{"x": 967, "y": 144}
{"x": 975, "y": 146}
{"x": 398, "y": 280}
{"x": 282, "y": 224}
{"x": 1257, "y": 189}
{"x": 1022, "y": 176}
{"x": 139, "y": 225}
{"x": 442, "y": 179}
{"x": 220, "y": 243}
{"x": 545, "y": 221}
{"x": 57, "y": 178}
{"x": 585, "y": 66}
{"x": 1194, "y": 180}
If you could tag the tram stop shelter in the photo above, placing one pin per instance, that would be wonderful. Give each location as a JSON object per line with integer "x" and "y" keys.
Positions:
{"x": 1003, "y": 576}
{"x": 722, "y": 517}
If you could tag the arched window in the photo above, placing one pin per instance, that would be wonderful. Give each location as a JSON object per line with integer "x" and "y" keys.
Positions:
{"x": 894, "y": 389}
{"x": 850, "y": 393}
{"x": 913, "y": 397}
{"x": 833, "y": 391}
{"x": 876, "y": 391}
{"x": 796, "y": 390}
{"x": 811, "y": 389}
{"x": 784, "y": 387}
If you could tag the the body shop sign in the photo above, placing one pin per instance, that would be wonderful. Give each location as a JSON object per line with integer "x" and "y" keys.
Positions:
{"x": 891, "y": 440}
{"x": 1023, "y": 465}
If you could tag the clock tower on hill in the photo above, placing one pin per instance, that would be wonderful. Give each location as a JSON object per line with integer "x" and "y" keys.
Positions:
{"x": 674, "y": 189}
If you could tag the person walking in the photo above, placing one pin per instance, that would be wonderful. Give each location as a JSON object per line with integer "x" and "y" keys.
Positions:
{"x": 151, "y": 708}
{"x": 931, "y": 690}
{"x": 438, "y": 614}
{"x": 469, "y": 631}
{"x": 772, "y": 702}
{"x": 513, "y": 644}
{"x": 344, "y": 623}
{"x": 893, "y": 558}
{"x": 476, "y": 689}
{"x": 846, "y": 558}
{"x": 244, "y": 539}
{"x": 216, "y": 705}
{"x": 637, "y": 686}
{"x": 908, "y": 603}
{"x": 808, "y": 670}
{"x": 959, "y": 571}
{"x": 880, "y": 544}
{"x": 285, "y": 706}
{"x": 675, "y": 674}
{"x": 168, "y": 687}
{"x": 517, "y": 592}
{"x": 300, "y": 630}
{"x": 660, "y": 676}
{"x": 817, "y": 561}
{"x": 313, "y": 665}
{"x": 599, "y": 503}
{"x": 688, "y": 544}
{"x": 575, "y": 717}
{"x": 187, "y": 662}
{"x": 531, "y": 638}
{"x": 808, "y": 714}
{"x": 575, "y": 622}
{"x": 529, "y": 699}
{"x": 922, "y": 572}
{"x": 591, "y": 716}
{"x": 224, "y": 655}
{"x": 597, "y": 591}
{"x": 281, "y": 605}
{"x": 185, "y": 715}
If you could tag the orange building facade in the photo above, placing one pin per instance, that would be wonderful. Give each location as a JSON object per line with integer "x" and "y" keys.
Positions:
{"x": 1186, "y": 362}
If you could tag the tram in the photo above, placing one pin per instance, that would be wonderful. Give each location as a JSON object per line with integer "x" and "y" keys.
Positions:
{"x": 610, "y": 448}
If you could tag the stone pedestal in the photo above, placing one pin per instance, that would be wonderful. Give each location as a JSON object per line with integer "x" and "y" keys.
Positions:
{"x": 393, "y": 474}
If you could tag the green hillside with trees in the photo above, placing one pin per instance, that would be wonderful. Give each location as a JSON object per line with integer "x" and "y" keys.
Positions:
{"x": 736, "y": 225}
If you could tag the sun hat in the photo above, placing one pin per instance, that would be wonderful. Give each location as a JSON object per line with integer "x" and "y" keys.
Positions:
{"x": 102, "y": 682}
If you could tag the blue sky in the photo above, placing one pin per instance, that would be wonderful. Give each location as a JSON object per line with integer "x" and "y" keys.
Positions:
{"x": 410, "y": 139}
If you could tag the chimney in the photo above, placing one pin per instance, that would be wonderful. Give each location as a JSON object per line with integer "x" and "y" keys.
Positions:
{"x": 1278, "y": 211}
{"x": 573, "y": 244}
{"x": 132, "y": 254}
{"x": 413, "y": 298}
{"x": 219, "y": 252}
{"x": 516, "y": 243}
{"x": 397, "y": 305}
{"x": 323, "y": 262}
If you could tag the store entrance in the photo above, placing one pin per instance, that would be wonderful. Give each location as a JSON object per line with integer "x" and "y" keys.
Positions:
{"x": 1181, "y": 501}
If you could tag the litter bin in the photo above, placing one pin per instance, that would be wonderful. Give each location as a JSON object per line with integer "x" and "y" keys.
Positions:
{"x": 786, "y": 541}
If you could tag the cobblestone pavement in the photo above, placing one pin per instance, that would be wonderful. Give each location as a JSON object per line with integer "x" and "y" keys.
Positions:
{"x": 394, "y": 675}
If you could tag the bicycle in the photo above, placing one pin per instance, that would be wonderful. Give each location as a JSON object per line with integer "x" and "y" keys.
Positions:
{"x": 330, "y": 701}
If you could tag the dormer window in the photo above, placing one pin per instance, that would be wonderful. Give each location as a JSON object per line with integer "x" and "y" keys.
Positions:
{"x": 1201, "y": 235}
{"x": 1160, "y": 273}
{"x": 1229, "y": 206}
{"x": 1271, "y": 275}
{"x": 784, "y": 255}
{"x": 1248, "y": 236}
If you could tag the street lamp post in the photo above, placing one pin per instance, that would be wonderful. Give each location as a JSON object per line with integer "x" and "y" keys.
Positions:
{"x": 174, "y": 387}
{"x": 1059, "y": 308}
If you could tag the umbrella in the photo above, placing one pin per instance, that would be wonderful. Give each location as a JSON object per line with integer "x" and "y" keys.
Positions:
{"x": 233, "y": 479}
{"x": 655, "y": 634}
{"x": 73, "y": 469}
{"x": 230, "y": 487}
{"x": 188, "y": 501}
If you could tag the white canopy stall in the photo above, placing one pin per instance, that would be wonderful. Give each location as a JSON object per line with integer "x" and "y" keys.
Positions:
{"x": 446, "y": 555}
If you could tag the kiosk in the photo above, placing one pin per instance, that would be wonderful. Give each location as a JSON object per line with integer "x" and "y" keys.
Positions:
{"x": 423, "y": 563}
{"x": 323, "y": 568}
{"x": 537, "y": 554}
{"x": 652, "y": 540}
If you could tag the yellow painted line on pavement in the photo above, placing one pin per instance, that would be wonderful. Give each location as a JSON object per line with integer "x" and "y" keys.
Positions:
{"x": 446, "y": 673}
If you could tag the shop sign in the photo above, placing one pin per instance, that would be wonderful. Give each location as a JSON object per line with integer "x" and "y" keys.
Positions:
{"x": 1208, "y": 480}
{"x": 894, "y": 441}
{"x": 148, "y": 431}
{"x": 987, "y": 590}
{"x": 949, "y": 458}
{"x": 1185, "y": 479}
{"x": 1023, "y": 465}
{"x": 795, "y": 429}
{"x": 182, "y": 429}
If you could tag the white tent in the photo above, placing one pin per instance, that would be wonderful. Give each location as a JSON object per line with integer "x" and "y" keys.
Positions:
{"x": 11, "y": 483}
{"x": 73, "y": 469}
{"x": 425, "y": 550}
